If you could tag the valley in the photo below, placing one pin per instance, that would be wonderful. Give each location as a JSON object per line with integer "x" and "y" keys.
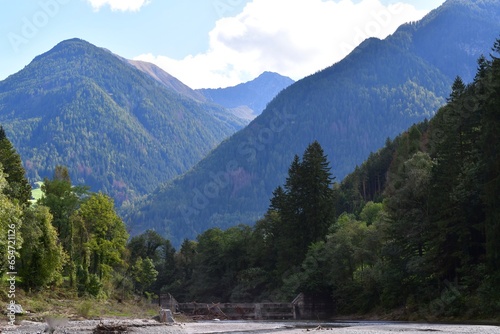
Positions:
{"x": 369, "y": 188}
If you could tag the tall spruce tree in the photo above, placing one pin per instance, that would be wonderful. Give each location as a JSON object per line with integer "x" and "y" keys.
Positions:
{"x": 305, "y": 204}
{"x": 18, "y": 186}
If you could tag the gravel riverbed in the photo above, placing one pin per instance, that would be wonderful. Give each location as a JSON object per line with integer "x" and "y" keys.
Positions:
{"x": 247, "y": 327}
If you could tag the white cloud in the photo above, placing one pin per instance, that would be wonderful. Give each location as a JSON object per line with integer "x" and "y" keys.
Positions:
{"x": 121, "y": 5}
{"x": 292, "y": 37}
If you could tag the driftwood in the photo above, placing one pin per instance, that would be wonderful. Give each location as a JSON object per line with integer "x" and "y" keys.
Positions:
{"x": 109, "y": 329}
{"x": 115, "y": 328}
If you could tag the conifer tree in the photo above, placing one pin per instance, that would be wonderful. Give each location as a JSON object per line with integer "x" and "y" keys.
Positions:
{"x": 19, "y": 187}
{"x": 305, "y": 204}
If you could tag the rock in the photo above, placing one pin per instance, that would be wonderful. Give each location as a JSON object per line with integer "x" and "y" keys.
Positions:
{"x": 166, "y": 316}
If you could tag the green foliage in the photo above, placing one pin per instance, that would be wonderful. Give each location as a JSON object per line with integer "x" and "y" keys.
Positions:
{"x": 106, "y": 236}
{"x": 82, "y": 275}
{"x": 42, "y": 256}
{"x": 152, "y": 247}
{"x": 94, "y": 286}
{"x": 184, "y": 264}
{"x": 90, "y": 245}
{"x": 371, "y": 212}
{"x": 146, "y": 245}
{"x": 62, "y": 199}
{"x": 144, "y": 274}
{"x": 10, "y": 225}
{"x": 18, "y": 187}
{"x": 303, "y": 205}
{"x": 220, "y": 256}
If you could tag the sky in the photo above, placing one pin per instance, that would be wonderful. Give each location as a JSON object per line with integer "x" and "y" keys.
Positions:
{"x": 205, "y": 43}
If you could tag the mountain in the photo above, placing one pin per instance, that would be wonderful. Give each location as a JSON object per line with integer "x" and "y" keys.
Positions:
{"x": 247, "y": 100}
{"x": 116, "y": 128}
{"x": 166, "y": 79}
{"x": 351, "y": 108}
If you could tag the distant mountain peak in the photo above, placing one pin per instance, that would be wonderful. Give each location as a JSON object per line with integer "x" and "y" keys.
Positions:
{"x": 248, "y": 99}
{"x": 271, "y": 74}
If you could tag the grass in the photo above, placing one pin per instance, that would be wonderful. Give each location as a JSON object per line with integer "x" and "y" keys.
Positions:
{"x": 61, "y": 303}
{"x": 36, "y": 193}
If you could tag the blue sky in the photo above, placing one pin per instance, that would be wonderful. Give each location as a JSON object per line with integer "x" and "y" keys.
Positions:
{"x": 205, "y": 43}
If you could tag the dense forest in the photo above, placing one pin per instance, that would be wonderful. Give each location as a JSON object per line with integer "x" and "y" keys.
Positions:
{"x": 414, "y": 229}
{"x": 117, "y": 129}
{"x": 351, "y": 108}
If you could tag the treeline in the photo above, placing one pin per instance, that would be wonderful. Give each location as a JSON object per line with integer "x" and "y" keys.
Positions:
{"x": 415, "y": 228}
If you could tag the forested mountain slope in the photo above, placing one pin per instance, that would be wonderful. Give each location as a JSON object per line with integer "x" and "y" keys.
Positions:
{"x": 116, "y": 128}
{"x": 351, "y": 108}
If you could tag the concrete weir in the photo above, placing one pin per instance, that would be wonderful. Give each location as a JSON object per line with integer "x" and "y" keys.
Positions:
{"x": 303, "y": 307}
